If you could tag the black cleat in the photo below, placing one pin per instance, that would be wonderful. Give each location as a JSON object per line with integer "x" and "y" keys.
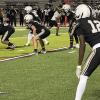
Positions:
{"x": 11, "y": 47}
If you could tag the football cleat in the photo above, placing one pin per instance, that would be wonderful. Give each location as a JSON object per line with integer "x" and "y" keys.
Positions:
{"x": 35, "y": 52}
{"x": 43, "y": 51}
{"x": 11, "y": 47}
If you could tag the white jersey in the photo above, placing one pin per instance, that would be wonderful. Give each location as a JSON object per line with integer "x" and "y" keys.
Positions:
{"x": 56, "y": 14}
{"x": 35, "y": 13}
{"x": 46, "y": 12}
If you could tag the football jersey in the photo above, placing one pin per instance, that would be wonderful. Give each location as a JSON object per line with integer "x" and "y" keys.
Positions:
{"x": 46, "y": 12}
{"x": 37, "y": 25}
{"x": 1, "y": 28}
{"x": 56, "y": 14}
{"x": 70, "y": 16}
{"x": 35, "y": 17}
{"x": 90, "y": 29}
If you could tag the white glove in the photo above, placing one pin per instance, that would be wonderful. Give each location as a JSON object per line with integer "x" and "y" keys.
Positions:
{"x": 78, "y": 71}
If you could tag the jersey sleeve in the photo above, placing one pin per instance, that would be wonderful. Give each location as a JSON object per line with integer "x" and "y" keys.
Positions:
{"x": 79, "y": 31}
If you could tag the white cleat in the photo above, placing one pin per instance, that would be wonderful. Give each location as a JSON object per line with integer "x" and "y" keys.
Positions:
{"x": 43, "y": 51}
{"x": 35, "y": 52}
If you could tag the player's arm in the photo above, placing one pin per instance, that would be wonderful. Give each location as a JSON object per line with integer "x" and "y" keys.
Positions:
{"x": 81, "y": 49}
{"x": 81, "y": 55}
{"x": 33, "y": 30}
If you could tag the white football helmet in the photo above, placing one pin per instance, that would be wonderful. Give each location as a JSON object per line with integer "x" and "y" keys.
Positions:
{"x": 66, "y": 7}
{"x": 82, "y": 11}
{"x": 28, "y": 18}
{"x": 28, "y": 9}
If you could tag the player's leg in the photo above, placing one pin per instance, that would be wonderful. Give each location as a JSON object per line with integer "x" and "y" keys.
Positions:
{"x": 42, "y": 46}
{"x": 46, "y": 41}
{"x": 71, "y": 42}
{"x": 8, "y": 31}
{"x": 76, "y": 40}
{"x": 81, "y": 87}
{"x": 92, "y": 62}
{"x": 57, "y": 31}
{"x": 71, "y": 35}
{"x": 57, "y": 28}
{"x": 35, "y": 45}
{"x": 45, "y": 34}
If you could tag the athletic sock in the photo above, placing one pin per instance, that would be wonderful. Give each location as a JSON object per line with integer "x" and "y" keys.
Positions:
{"x": 81, "y": 87}
{"x": 43, "y": 49}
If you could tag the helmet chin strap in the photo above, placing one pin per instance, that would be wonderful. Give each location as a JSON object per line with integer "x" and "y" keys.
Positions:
{"x": 81, "y": 15}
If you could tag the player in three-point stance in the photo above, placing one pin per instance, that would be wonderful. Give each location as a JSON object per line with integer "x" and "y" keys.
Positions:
{"x": 29, "y": 10}
{"x": 39, "y": 33}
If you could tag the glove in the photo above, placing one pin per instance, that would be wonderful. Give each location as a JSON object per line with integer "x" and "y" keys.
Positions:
{"x": 78, "y": 71}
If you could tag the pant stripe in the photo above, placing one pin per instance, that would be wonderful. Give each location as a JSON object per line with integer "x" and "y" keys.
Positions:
{"x": 5, "y": 35}
{"x": 88, "y": 62}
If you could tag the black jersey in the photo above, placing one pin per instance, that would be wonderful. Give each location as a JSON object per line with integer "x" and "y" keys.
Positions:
{"x": 71, "y": 20}
{"x": 1, "y": 28}
{"x": 70, "y": 16}
{"x": 37, "y": 25}
{"x": 90, "y": 29}
{"x": 36, "y": 18}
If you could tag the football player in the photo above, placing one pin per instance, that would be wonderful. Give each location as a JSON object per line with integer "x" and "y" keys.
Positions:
{"x": 6, "y": 31}
{"x": 35, "y": 16}
{"x": 88, "y": 30}
{"x": 39, "y": 32}
{"x": 55, "y": 20}
{"x": 71, "y": 20}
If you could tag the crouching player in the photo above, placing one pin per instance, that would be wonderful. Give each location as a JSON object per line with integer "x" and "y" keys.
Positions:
{"x": 29, "y": 10}
{"x": 6, "y": 31}
{"x": 39, "y": 33}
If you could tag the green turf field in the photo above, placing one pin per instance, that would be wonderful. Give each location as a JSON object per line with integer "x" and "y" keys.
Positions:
{"x": 19, "y": 38}
{"x": 44, "y": 77}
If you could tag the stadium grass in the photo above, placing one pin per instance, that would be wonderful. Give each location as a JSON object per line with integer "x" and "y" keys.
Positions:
{"x": 45, "y": 77}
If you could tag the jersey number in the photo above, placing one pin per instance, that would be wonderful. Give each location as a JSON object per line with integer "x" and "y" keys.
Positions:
{"x": 95, "y": 26}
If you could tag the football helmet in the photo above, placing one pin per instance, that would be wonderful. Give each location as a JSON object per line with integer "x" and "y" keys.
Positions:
{"x": 82, "y": 11}
{"x": 28, "y": 18}
{"x": 66, "y": 7}
{"x": 28, "y": 9}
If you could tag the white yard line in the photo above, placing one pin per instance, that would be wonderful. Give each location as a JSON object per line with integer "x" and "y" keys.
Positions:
{"x": 72, "y": 51}
{"x": 30, "y": 54}
{"x": 20, "y": 29}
